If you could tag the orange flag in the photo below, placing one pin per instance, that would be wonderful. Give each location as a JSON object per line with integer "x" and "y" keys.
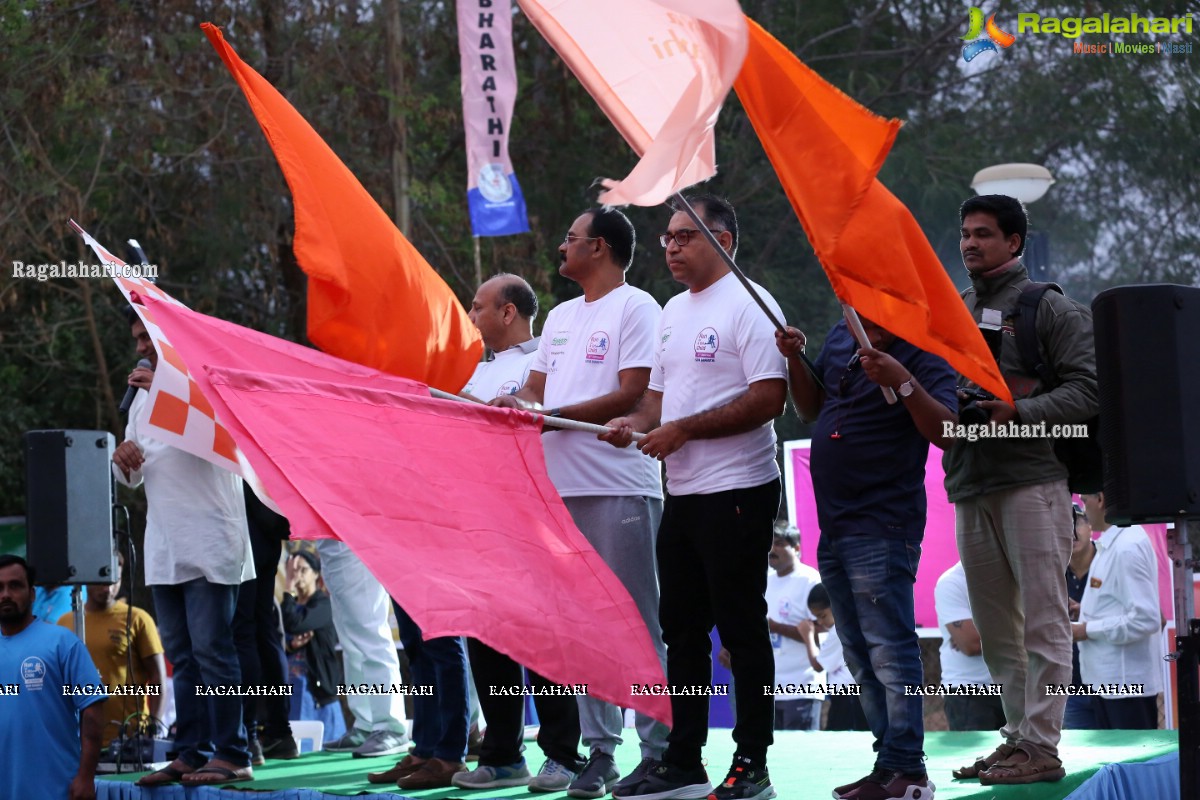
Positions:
{"x": 372, "y": 298}
{"x": 826, "y": 150}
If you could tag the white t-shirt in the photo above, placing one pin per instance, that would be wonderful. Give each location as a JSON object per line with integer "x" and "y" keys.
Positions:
{"x": 711, "y": 346}
{"x": 832, "y": 659}
{"x": 787, "y": 602}
{"x": 504, "y": 374}
{"x": 584, "y": 347}
{"x": 195, "y": 514}
{"x": 950, "y": 600}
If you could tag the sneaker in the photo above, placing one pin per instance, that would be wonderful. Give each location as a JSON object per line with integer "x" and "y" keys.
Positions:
{"x": 381, "y": 743}
{"x": 878, "y": 775}
{"x": 634, "y": 778}
{"x": 283, "y": 748}
{"x": 596, "y": 778}
{"x": 745, "y": 781}
{"x": 552, "y": 777}
{"x": 257, "y": 759}
{"x": 349, "y": 742}
{"x": 662, "y": 781}
{"x": 483, "y": 777}
{"x": 902, "y": 786}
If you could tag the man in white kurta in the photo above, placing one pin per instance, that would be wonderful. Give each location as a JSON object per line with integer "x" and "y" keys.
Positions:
{"x": 196, "y": 555}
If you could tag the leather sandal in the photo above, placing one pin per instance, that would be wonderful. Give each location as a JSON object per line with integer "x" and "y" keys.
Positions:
{"x": 984, "y": 762}
{"x": 1035, "y": 769}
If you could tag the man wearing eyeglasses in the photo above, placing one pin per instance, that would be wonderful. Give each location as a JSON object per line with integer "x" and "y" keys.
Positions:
{"x": 593, "y": 364}
{"x": 868, "y": 469}
{"x": 716, "y": 386}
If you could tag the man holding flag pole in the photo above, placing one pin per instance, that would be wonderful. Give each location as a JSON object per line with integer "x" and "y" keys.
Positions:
{"x": 715, "y": 388}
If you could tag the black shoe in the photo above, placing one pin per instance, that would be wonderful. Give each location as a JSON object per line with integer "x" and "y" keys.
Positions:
{"x": 663, "y": 781}
{"x": 596, "y": 778}
{"x": 283, "y": 748}
{"x": 745, "y": 781}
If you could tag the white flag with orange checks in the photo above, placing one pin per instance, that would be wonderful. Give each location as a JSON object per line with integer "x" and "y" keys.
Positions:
{"x": 176, "y": 412}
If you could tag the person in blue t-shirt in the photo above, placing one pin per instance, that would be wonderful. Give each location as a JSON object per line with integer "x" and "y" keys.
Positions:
{"x": 51, "y": 699}
{"x": 868, "y": 471}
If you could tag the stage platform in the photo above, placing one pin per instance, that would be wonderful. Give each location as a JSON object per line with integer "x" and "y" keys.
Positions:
{"x": 1102, "y": 765}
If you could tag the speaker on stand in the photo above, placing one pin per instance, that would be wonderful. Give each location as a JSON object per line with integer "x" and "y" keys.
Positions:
{"x": 69, "y": 509}
{"x": 1148, "y": 366}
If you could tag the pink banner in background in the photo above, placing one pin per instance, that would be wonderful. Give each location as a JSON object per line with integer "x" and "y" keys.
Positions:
{"x": 939, "y": 551}
{"x": 489, "y": 89}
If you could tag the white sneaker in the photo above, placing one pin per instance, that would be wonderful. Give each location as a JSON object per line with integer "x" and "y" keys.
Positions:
{"x": 552, "y": 777}
{"x": 381, "y": 743}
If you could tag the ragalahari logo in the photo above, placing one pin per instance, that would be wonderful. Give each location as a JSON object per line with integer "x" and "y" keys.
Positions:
{"x": 995, "y": 35}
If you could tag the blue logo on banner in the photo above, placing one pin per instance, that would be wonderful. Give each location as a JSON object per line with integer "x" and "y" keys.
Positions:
{"x": 497, "y": 205}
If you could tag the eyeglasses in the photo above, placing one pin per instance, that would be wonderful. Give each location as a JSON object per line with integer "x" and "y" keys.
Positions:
{"x": 681, "y": 236}
{"x": 570, "y": 237}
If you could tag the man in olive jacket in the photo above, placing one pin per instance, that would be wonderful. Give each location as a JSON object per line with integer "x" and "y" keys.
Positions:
{"x": 1012, "y": 505}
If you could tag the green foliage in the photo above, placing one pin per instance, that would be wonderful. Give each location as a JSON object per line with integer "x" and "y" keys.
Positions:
{"x": 120, "y": 115}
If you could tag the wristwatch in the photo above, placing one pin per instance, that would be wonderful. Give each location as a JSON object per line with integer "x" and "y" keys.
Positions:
{"x": 906, "y": 389}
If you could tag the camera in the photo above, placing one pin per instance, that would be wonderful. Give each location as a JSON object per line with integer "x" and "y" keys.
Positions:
{"x": 969, "y": 411}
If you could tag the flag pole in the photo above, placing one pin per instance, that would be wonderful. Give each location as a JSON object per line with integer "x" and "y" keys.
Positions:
{"x": 686, "y": 208}
{"x": 860, "y": 334}
{"x": 549, "y": 422}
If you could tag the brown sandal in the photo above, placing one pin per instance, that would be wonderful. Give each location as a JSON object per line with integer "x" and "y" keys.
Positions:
{"x": 1034, "y": 769}
{"x": 984, "y": 763}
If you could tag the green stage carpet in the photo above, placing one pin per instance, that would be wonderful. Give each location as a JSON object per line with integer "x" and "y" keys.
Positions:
{"x": 803, "y": 765}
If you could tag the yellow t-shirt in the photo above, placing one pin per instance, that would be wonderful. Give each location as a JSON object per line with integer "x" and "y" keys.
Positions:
{"x": 106, "y": 638}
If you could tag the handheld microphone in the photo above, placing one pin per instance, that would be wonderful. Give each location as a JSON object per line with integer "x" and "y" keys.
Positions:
{"x": 132, "y": 391}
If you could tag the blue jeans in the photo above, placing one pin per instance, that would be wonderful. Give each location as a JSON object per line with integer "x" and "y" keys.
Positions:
{"x": 195, "y": 620}
{"x": 870, "y": 583}
{"x": 1080, "y": 714}
{"x": 440, "y": 721}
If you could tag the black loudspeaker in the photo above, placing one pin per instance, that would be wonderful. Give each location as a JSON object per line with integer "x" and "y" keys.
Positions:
{"x": 69, "y": 506}
{"x": 1148, "y": 365}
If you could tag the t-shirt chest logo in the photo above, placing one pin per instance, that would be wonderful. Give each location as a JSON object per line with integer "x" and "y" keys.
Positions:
{"x": 597, "y": 347}
{"x": 508, "y": 387}
{"x": 708, "y": 342}
{"x": 33, "y": 673}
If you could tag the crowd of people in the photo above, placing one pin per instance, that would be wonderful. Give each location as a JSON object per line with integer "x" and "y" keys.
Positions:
{"x": 701, "y": 380}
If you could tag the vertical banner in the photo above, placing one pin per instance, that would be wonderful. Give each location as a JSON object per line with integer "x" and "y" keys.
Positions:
{"x": 489, "y": 87}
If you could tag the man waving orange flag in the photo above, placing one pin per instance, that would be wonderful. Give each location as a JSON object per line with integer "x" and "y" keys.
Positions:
{"x": 372, "y": 298}
{"x": 826, "y": 150}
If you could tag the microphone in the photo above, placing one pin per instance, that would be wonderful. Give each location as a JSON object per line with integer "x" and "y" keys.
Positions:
{"x": 132, "y": 391}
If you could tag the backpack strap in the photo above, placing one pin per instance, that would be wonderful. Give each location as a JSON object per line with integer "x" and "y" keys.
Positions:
{"x": 1025, "y": 330}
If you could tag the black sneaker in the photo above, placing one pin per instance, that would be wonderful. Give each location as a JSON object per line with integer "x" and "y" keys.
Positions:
{"x": 664, "y": 781}
{"x": 634, "y": 778}
{"x": 596, "y": 777}
{"x": 283, "y": 747}
{"x": 745, "y": 781}
{"x": 878, "y": 775}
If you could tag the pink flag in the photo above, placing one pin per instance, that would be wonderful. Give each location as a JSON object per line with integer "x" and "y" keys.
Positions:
{"x": 176, "y": 411}
{"x": 660, "y": 70}
{"x": 448, "y": 504}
